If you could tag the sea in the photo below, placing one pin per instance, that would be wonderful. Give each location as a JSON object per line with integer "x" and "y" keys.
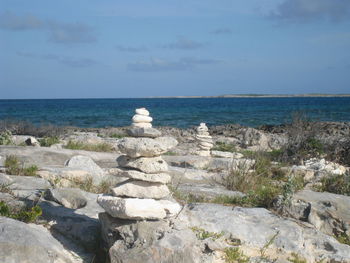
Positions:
{"x": 176, "y": 112}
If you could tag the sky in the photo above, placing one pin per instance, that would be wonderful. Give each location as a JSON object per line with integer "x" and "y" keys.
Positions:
{"x": 145, "y": 48}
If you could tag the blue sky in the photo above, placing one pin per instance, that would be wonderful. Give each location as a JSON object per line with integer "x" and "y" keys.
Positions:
{"x": 138, "y": 48}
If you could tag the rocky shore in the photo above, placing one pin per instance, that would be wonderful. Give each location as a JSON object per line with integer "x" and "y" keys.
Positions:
{"x": 162, "y": 194}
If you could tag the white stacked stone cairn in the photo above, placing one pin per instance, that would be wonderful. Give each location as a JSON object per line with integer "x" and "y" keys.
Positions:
{"x": 145, "y": 194}
{"x": 205, "y": 141}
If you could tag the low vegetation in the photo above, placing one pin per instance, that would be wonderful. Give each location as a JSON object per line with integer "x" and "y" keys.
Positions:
{"x": 15, "y": 167}
{"x": 224, "y": 147}
{"x": 337, "y": 184}
{"x": 99, "y": 147}
{"x": 88, "y": 185}
{"x": 343, "y": 238}
{"x": 5, "y": 138}
{"x": 48, "y": 141}
{"x": 26, "y": 215}
{"x": 202, "y": 234}
{"x": 234, "y": 255}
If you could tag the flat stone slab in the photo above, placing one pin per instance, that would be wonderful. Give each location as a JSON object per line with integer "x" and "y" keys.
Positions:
{"x": 68, "y": 197}
{"x": 146, "y": 147}
{"x": 144, "y": 132}
{"x": 144, "y": 164}
{"x": 141, "y": 189}
{"x": 134, "y": 208}
{"x": 163, "y": 178}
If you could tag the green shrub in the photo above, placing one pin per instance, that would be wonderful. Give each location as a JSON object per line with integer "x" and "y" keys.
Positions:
{"x": 202, "y": 234}
{"x": 25, "y": 215}
{"x": 99, "y": 147}
{"x": 234, "y": 255}
{"x": 117, "y": 135}
{"x": 224, "y": 147}
{"x": 343, "y": 238}
{"x": 48, "y": 141}
{"x": 14, "y": 167}
{"x": 5, "y": 138}
{"x": 337, "y": 184}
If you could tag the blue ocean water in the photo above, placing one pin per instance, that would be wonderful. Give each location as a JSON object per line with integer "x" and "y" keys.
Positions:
{"x": 177, "y": 112}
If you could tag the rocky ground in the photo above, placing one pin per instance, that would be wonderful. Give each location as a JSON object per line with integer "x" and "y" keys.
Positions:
{"x": 273, "y": 194}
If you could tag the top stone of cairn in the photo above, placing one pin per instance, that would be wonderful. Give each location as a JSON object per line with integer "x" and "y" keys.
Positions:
{"x": 142, "y": 119}
{"x": 142, "y": 125}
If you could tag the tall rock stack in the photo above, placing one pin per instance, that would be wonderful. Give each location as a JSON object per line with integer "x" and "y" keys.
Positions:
{"x": 205, "y": 141}
{"x": 144, "y": 195}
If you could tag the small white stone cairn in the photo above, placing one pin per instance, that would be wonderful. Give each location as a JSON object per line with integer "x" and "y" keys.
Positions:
{"x": 145, "y": 194}
{"x": 205, "y": 141}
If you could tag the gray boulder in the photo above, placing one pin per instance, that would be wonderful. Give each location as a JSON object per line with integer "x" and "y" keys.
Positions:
{"x": 144, "y": 132}
{"x": 327, "y": 212}
{"x": 149, "y": 241}
{"x": 84, "y": 163}
{"x": 254, "y": 228}
{"x": 27, "y": 243}
{"x": 68, "y": 197}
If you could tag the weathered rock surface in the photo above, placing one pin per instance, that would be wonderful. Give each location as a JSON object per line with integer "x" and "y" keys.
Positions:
{"x": 221, "y": 154}
{"x": 134, "y": 208}
{"x": 143, "y": 164}
{"x": 141, "y": 189}
{"x": 26, "y": 243}
{"x": 329, "y": 213}
{"x": 146, "y": 147}
{"x": 163, "y": 178}
{"x": 68, "y": 197}
{"x": 144, "y": 132}
{"x": 256, "y": 227}
{"x": 84, "y": 163}
{"x": 149, "y": 242}
{"x": 80, "y": 225}
{"x": 45, "y": 156}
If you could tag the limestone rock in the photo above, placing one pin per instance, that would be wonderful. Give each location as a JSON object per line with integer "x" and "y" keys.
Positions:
{"x": 85, "y": 163}
{"x": 163, "y": 178}
{"x": 146, "y": 147}
{"x": 144, "y": 132}
{"x": 68, "y": 197}
{"x": 141, "y": 189}
{"x": 144, "y": 164}
{"x": 134, "y": 208}
{"x": 21, "y": 242}
{"x": 142, "y": 111}
{"x": 142, "y": 125}
{"x": 31, "y": 141}
{"x": 141, "y": 118}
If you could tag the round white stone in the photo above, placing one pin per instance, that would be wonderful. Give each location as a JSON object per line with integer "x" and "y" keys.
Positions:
{"x": 142, "y": 111}
{"x": 141, "y": 125}
{"x": 141, "y": 118}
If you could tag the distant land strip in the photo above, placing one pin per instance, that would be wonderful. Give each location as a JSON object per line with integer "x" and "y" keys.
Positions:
{"x": 254, "y": 96}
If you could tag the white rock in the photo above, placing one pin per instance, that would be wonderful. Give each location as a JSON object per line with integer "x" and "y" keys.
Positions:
{"x": 141, "y": 118}
{"x": 141, "y": 125}
{"x": 135, "y": 208}
{"x": 142, "y": 111}
{"x": 156, "y": 178}
{"x": 203, "y": 153}
{"x": 141, "y": 189}
{"x": 85, "y": 163}
{"x": 144, "y": 132}
{"x": 146, "y": 147}
{"x": 31, "y": 141}
{"x": 222, "y": 154}
{"x": 206, "y": 144}
{"x": 144, "y": 164}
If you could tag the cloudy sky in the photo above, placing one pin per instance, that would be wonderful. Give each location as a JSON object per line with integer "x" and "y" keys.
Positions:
{"x": 141, "y": 48}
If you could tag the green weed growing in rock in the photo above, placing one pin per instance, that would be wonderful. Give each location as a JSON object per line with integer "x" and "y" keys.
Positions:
{"x": 48, "y": 141}
{"x": 343, "y": 238}
{"x": 234, "y": 255}
{"x": 99, "y": 147}
{"x": 4, "y": 188}
{"x": 6, "y": 138}
{"x": 26, "y": 215}
{"x": 297, "y": 259}
{"x": 337, "y": 184}
{"x": 117, "y": 135}
{"x": 224, "y": 147}
{"x": 202, "y": 234}
{"x": 14, "y": 167}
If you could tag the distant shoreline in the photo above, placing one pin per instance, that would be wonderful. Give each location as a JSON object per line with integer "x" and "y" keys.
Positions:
{"x": 217, "y": 96}
{"x": 252, "y": 96}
